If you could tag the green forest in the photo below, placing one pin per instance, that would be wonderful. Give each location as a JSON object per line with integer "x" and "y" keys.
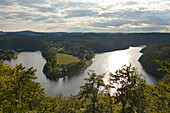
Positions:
{"x": 98, "y": 42}
{"x": 152, "y": 54}
{"x": 81, "y": 45}
{"x": 8, "y": 54}
{"x": 20, "y": 93}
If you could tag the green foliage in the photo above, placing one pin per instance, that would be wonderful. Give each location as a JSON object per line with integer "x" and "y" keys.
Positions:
{"x": 62, "y": 64}
{"x": 18, "y": 91}
{"x": 24, "y": 42}
{"x": 164, "y": 66}
{"x": 8, "y": 54}
{"x": 90, "y": 90}
{"x": 160, "y": 98}
{"x": 152, "y": 53}
{"x": 129, "y": 89}
{"x": 60, "y": 50}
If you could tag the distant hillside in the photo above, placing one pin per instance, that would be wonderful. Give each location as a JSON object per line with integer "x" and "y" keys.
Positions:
{"x": 98, "y": 42}
{"x": 1, "y": 32}
{"x": 29, "y": 33}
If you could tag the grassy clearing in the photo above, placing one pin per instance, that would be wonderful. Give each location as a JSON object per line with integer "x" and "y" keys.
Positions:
{"x": 66, "y": 59}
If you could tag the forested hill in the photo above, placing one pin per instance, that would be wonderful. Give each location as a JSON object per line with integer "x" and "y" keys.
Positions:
{"x": 153, "y": 53}
{"x": 98, "y": 42}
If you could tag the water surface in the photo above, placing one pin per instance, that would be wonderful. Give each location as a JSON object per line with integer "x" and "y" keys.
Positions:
{"x": 102, "y": 63}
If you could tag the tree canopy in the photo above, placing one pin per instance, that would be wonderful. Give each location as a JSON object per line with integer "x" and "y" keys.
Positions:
{"x": 20, "y": 93}
{"x": 154, "y": 52}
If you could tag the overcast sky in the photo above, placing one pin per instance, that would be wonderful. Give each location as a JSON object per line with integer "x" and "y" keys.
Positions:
{"x": 85, "y": 15}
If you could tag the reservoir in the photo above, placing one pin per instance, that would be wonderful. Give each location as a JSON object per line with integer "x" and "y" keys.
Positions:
{"x": 103, "y": 63}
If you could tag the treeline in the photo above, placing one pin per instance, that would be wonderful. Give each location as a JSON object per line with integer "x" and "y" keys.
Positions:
{"x": 54, "y": 72}
{"x": 107, "y": 42}
{"x": 24, "y": 43}
{"x": 72, "y": 68}
{"x": 94, "y": 41}
{"x": 80, "y": 51}
{"x": 51, "y": 63}
{"x": 8, "y": 54}
{"x": 152, "y": 53}
{"x": 19, "y": 93}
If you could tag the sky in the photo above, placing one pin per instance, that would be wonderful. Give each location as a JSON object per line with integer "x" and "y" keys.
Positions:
{"x": 85, "y": 15}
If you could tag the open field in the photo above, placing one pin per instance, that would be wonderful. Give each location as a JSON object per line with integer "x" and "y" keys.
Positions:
{"x": 66, "y": 59}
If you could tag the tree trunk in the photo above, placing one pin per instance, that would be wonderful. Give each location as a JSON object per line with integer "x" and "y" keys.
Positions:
{"x": 93, "y": 102}
{"x": 123, "y": 108}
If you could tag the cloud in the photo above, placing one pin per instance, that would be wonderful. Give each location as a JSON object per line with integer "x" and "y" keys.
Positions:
{"x": 70, "y": 4}
{"x": 41, "y": 18}
{"x": 51, "y": 21}
{"x": 86, "y": 15}
{"x": 131, "y": 3}
{"x": 148, "y": 29}
{"x": 149, "y": 17}
{"x": 31, "y": 3}
{"x": 45, "y": 9}
{"x": 115, "y": 23}
{"x": 79, "y": 13}
{"x": 6, "y": 2}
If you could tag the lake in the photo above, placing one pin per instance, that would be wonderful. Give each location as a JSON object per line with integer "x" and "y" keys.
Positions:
{"x": 102, "y": 63}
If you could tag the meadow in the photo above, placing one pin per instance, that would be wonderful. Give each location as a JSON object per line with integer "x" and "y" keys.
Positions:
{"x": 66, "y": 59}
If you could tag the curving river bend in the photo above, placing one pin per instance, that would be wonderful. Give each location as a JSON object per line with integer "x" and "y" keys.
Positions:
{"x": 102, "y": 63}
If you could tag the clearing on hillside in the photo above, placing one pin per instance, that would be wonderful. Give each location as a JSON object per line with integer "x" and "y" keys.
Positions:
{"x": 66, "y": 59}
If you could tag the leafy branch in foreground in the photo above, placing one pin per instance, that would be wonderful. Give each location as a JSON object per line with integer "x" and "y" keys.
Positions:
{"x": 164, "y": 66}
{"x": 90, "y": 90}
{"x": 129, "y": 89}
{"x": 18, "y": 91}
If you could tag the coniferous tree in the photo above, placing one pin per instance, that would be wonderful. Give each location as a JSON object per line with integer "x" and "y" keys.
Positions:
{"x": 90, "y": 90}
{"x": 128, "y": 85}
{"x": 18, "y": 91}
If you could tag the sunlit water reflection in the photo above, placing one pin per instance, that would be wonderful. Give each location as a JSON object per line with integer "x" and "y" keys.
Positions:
{"x": 102, "y": 63}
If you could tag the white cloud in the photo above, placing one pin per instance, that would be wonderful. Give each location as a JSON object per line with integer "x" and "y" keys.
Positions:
{"x": 86, "y": 15}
